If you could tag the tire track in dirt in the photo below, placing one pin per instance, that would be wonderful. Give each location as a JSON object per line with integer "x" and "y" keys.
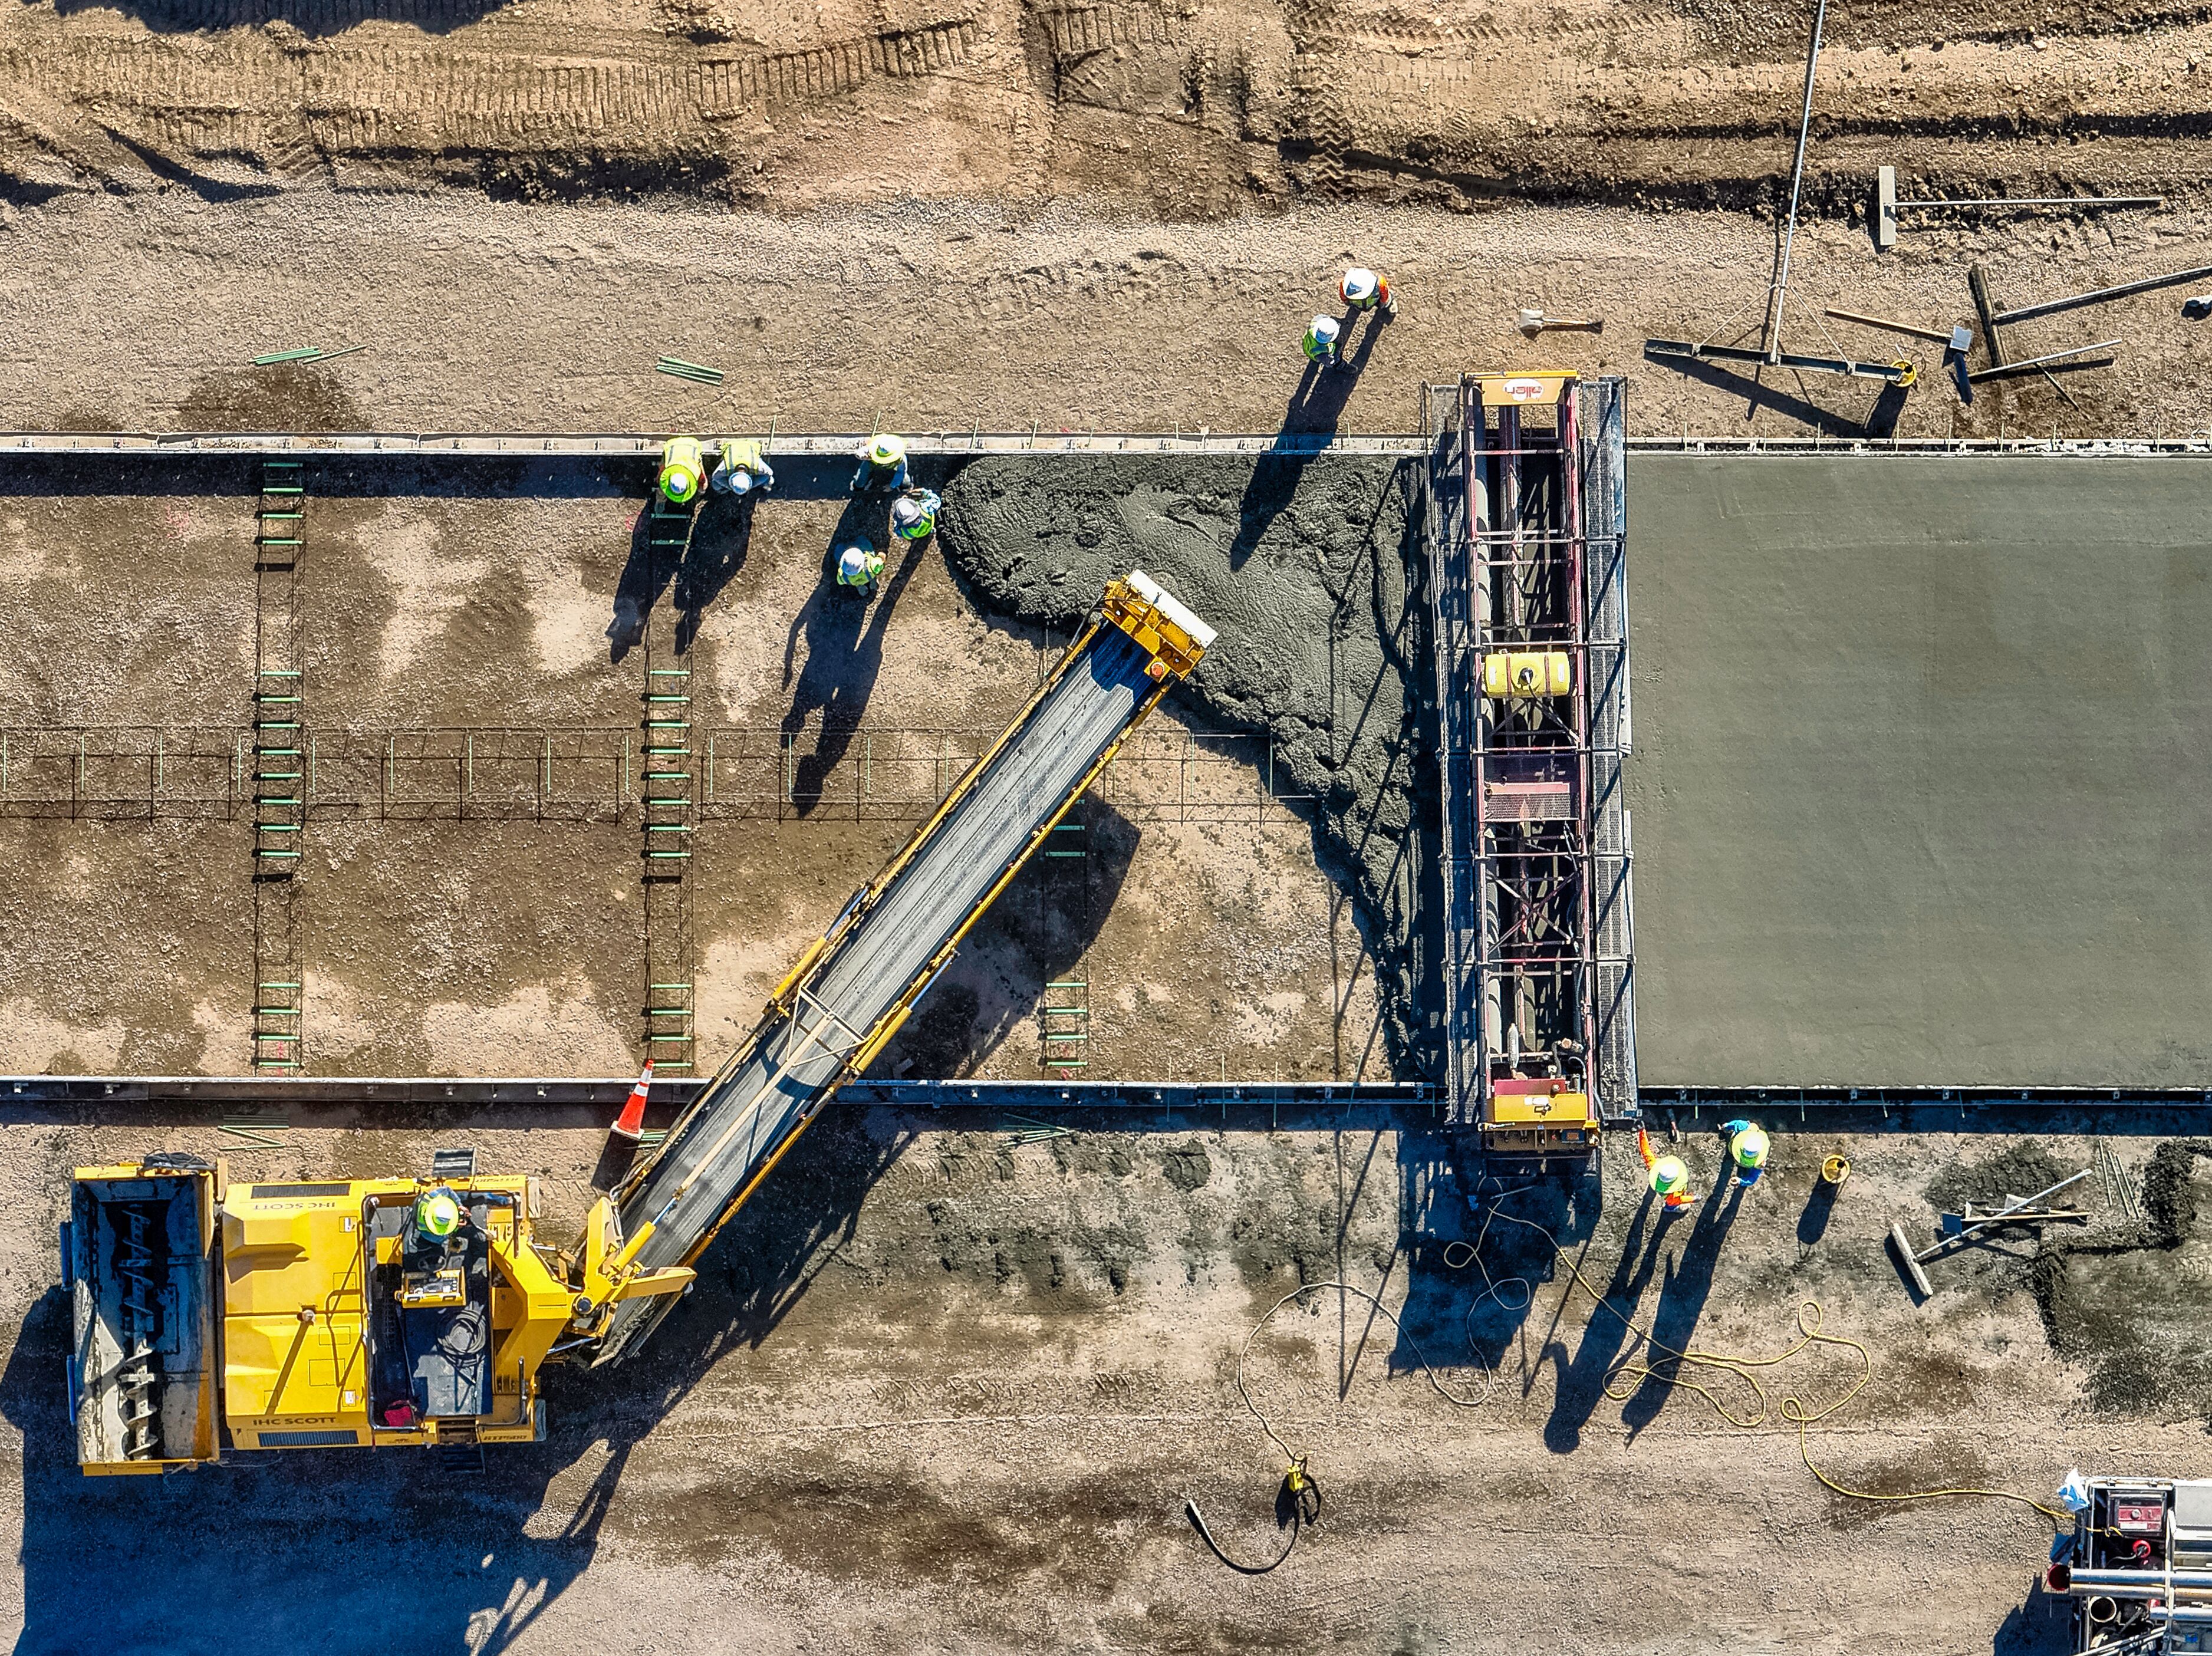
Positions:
{"x": 291, "y": 108}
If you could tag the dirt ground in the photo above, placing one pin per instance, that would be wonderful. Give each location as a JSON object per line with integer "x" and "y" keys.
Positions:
{"x": 941, "y": 1389}
{"x": 458, "y": 915}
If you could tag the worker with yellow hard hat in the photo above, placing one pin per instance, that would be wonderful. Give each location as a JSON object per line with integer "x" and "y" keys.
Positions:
{"x": 1747, "y": 1147}
{"x": 438, "y": 1214}
{"x": 683, "y": 468}
{"x": 1669, "y": 1177}
{"x": 883, "y": 463}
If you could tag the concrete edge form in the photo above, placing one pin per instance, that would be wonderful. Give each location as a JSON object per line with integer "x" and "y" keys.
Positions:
{"x": 643, "y": 445}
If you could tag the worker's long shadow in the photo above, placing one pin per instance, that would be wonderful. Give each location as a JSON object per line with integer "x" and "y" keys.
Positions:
{"x": 1315, "y": 409}
{"x": 1582, "y": 1376}
{"x": 711, "y": 562}
{"x": 345, "y": 1550}
{"x": 1687, "y": 1285}
{"x": 844, "y": 637}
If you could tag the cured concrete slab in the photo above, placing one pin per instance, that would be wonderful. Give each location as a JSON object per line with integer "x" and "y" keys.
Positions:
{"x": 1922, "y": 780}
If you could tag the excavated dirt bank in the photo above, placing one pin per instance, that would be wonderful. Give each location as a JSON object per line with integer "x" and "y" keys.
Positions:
{"x": 1181, "y": 107}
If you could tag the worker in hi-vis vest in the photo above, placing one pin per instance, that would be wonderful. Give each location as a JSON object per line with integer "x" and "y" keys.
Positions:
{"x": 1363, "y": 290}
{"x": 883, "y": 463}
{"x": 1320, "y": 342}
{"x": 913, "y": 514}
{"x": 683, "y": 468}
{"x": 859, "y": 563}
{"x": 1670, "y": 1178}
{"x": 742, "y": 468}
{"x": 1747, "y": 1147}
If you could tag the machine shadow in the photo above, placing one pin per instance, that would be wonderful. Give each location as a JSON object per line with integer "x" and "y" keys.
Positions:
{"x": 304, "y": 1548}
{"x": 1481, "y": 1250}
{"x": 1879, "y": 421}
{"x": 312, "y": 18}
{"x": 1024, "y": 949}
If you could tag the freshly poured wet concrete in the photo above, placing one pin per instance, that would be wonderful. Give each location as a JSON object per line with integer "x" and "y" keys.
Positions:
{"x": 1923, "y": 779}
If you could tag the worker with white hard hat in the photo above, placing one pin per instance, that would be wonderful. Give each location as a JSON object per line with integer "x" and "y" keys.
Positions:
{"x": 883, "y": 463}
{"x": 1363, "y": 290}
{"x": 857, "y": 564}
{"x": 913, "y": 514}
{"x": 1320, "y": 341}
{"x": 1747, "y": 1147}
{"x": 1669, "y": 1177}
{"x": 683, "y": 468}
{"x": 742, "y": 468}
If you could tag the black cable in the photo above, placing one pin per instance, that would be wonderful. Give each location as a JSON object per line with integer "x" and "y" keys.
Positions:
{"x": 1298, "y": 1496}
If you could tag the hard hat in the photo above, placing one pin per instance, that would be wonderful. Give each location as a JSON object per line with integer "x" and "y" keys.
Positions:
{"x": 437, "y": 1213}
{"x": 885, "y": 450}
{"x": 678, "y": 481}
{"x": 1668, "y": 1175}
{"x": 741, "y": 481}
{"x": 907, "y": 510}
{"x": 1750, "y": 1147}
{"x": 853, "y": 564}
{"x": 1358, "y": 284}
{"x": 1324, "y": 328}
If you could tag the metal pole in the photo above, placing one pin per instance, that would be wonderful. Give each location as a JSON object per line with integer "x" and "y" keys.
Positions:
{"x": 2096, "y": 295}
{"x": 1776, "y": 288}
{"x": 2038, "y": 361}
{"x": 2043, "y": 200}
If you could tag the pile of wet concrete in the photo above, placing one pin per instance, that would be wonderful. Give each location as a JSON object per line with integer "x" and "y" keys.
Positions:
{"x": 1303, "y": 565}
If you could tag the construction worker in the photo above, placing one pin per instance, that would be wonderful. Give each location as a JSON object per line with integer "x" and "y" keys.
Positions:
{"x": 742, "y": 468}
{"x": 1670, "y": 1178}
{"x": 913, "y": 514}
{"x": 683, "y": 468}
{"x": 438, "y": 1214}
{"x": 1363, "y": 290}
{"x": 859, "y": 563}
{"x": 1747, "y": 1147}
{"x": 1321, "y": 341}
{"x": 883, "y": 464}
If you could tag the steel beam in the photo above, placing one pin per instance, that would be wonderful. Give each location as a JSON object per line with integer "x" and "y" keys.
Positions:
{"x": 646, "y": 445}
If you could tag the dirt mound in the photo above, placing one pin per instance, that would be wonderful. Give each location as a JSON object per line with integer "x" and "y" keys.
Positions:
{"x": 2020, "y": 1168}
{"x": 1301, "y": 566}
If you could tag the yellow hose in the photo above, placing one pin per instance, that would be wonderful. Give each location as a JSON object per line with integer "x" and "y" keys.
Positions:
{"x": 1669, "y": 1361}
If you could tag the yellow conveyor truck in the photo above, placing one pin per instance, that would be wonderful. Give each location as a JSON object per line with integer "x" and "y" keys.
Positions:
{"x": 419, "y": 1310}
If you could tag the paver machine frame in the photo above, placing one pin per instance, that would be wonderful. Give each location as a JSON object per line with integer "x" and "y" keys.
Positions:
{"x": 1526, "y": 532}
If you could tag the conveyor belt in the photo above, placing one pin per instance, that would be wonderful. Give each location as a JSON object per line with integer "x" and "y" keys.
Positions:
{"x": 880, "y": 957}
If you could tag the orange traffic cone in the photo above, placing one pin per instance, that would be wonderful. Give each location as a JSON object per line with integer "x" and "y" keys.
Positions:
{"x": 631, "y": 1122}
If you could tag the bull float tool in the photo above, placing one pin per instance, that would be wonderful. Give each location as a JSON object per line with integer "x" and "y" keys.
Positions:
{"x": 1912, "y": 1262}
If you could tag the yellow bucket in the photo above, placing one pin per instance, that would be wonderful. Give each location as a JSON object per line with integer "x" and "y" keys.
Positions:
{"x": 1835, "y": 1170}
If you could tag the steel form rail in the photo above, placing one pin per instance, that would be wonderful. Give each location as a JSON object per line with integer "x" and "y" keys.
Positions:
{"x": 277, "y": 1093}
{"x": 646, "y": 445}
